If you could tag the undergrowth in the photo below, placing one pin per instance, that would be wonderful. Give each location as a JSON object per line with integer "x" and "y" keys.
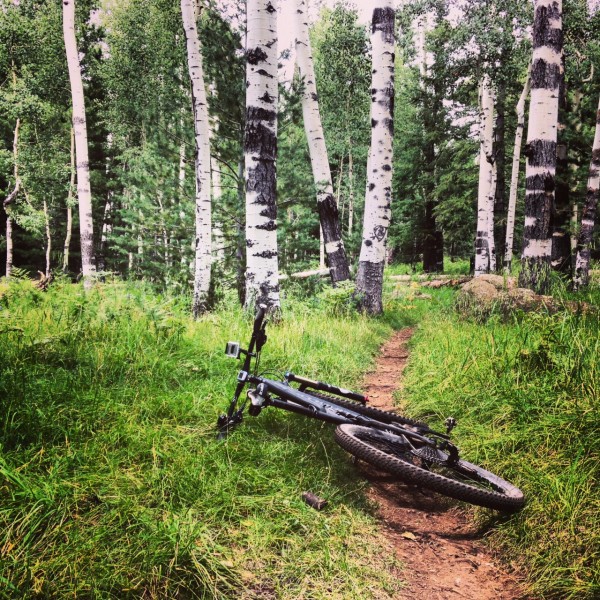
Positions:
{"x": 112, "y": 482}
{"x": 526, "y": 395}
{"x": 113, "y": 485}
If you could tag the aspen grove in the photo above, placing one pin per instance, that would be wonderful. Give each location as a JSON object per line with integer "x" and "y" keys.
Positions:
{"x": 406, "y": 193}
{"x": 268, "y": 106}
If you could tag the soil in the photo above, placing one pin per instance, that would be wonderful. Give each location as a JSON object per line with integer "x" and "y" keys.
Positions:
{"x": 442, "y": 550}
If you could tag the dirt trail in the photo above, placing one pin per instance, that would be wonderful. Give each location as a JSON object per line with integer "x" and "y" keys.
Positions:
{"x": 441, "y": 548}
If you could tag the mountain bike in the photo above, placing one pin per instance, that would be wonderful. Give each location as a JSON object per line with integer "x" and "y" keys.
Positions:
{"x": 404, "y": 447}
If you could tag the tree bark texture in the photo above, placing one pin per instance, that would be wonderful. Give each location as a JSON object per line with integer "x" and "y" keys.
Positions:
{"x": 10, "y": 199}
{"x": 589, "y": 214}
{"x": 541, "y": 145}
{"x": 260, "y": 150}
{"x": 369, "y": 281}
{"x": 337, "y": 260}
{"x": 350, "y": 192}
{"x": 484, "y": 246}
{"x": 560, "y": 258}
{"x": 48, "y": 238}
{"x": 514, "y": 180}
{"x": 202, "y": 246}
{"x": 84, "y": 194}
{"x": 240, "y": 250}
{"x": 499, "y": 152}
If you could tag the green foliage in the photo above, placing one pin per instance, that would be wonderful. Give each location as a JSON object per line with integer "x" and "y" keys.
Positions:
{"x": 343, "y": 72}
{"x": 112, "y": 481}
{"x": 298, "y": 220}
{"x": 339, "y": 300}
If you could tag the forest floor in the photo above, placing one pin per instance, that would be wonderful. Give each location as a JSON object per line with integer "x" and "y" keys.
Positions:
{"x": 442, "y": 550}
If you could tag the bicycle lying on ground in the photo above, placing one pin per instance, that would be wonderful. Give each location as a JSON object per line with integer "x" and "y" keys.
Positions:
{"x": 390, "y": 442}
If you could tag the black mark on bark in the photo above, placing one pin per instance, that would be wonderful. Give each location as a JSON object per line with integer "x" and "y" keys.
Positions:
{"x": 541, "y": 153}
{"x": 383, "y": 20}
{"x": 545, "y": 75}
{"x": 256, "y": 55}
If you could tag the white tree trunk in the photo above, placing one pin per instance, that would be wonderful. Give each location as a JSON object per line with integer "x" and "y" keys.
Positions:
{"x": 164, "y": 232}
{"x": 11, "y": 198}
{"x": 589, "y": 214}
{"x": 260, "y": 153}
{"x": 491, "y": 201}
{"x": 350, "y": 193}
{"x": 369, "y": 281}
{"x": 48, "y": 238}
{"x": 9, "y": 246}
{"x": 69, "y": 231}
{"x": 218, "y": 240}
{"x": 321, "y": 248}
{"x": 202, "y": 133}
{"x": 486, "y": 191}
{"x": 331, "y": 234}
{"x": 106, "y": 230}
{"x": 140, "y": 238}
{"x": 218, "y": 249}
{"x": 541, "y": 145}
{"x": 182, "y": 199}
{"x": 84, "y": 194}
{"x": 514, "y": 180}
{"x": 574, "y": 227}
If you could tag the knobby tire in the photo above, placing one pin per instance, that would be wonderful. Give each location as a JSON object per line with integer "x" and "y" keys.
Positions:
{"x": 427, "y": 467}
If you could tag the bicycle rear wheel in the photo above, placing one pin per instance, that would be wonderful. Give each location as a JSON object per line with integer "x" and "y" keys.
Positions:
{"x": 429, "y": 467}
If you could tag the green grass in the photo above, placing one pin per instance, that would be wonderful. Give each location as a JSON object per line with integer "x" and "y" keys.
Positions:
{"x": 526, "y": 395}
{"x": 113, "y": 485}
{"x": 451, "y": 267}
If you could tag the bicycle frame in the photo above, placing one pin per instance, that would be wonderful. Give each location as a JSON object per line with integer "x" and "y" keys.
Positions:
{"x": 280, "y": 394}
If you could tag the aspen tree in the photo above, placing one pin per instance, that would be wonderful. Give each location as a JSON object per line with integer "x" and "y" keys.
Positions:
{"x": 260, "y": 151}
{"x": 514, "y": 180}
{"x": 484, "y": 240}
{"x": 84, "y": 194}
{"x": 69, "y": 229}
{"x": 202, "y": 243}
{"x": 541, "y": 144}
{"x": 337, "y": 260}
{"x": 588, "y": 216}
{"x": 369, "y": 281}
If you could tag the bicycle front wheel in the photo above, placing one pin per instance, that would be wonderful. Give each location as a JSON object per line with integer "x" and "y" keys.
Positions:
{"x": 429, "y": 467}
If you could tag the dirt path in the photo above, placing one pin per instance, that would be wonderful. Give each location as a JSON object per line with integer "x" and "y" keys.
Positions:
{"x": 441, "y": 549}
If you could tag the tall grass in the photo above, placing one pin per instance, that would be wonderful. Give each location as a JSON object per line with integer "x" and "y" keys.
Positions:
{"x": 113, "y": 485}
{"x": 526, "y": 395}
